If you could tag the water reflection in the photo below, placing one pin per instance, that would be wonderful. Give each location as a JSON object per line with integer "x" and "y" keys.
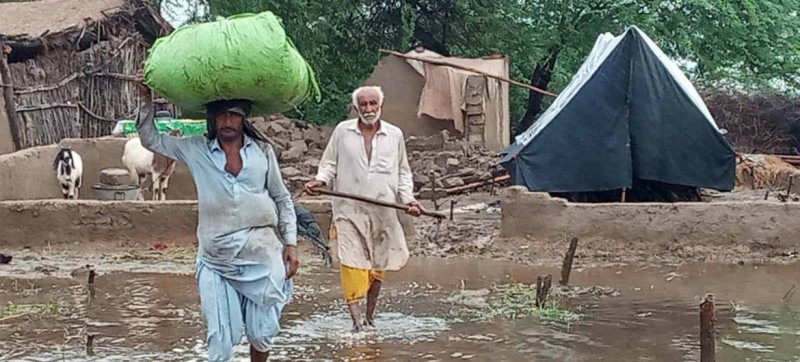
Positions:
{"x": 761, "y": 333}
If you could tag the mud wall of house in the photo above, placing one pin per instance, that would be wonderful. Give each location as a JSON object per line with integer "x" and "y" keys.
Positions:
{"x": 540, "y": 218}
{"x": 39, "y": 222}
{"x": 402, "y": 86}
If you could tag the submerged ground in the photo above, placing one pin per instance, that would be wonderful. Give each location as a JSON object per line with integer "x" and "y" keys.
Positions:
{"x": 145, "y": 307}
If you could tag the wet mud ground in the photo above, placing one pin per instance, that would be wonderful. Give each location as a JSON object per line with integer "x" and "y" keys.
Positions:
{"x": 145, "y": 308}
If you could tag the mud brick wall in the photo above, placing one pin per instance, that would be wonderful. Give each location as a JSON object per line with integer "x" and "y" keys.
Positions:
{"x": 39, "y": 222}
{"x": 538, "y": 217}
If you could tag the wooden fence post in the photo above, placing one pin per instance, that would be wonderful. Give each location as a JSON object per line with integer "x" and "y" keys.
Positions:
{"x": 543, "y": 283}
{"x": 707, "y": 333}
{"x": 566, "y": 266}
{"x": 8, "y": 97}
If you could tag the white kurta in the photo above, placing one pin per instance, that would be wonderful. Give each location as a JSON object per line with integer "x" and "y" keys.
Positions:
{"x": 368, "y": 237}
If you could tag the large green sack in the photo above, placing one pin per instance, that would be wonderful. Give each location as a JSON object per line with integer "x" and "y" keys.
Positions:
{"x": 245, "y": 56}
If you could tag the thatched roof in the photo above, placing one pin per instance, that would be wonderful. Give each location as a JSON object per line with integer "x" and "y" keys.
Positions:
{"x": 32, "y": 27}
{"x": 34, "y": 18}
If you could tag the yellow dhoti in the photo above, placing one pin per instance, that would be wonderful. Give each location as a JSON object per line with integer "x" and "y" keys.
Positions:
{"x": 356, "y": 282}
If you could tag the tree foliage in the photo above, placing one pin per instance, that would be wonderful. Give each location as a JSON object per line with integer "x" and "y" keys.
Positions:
{"x": 745, "y": 43}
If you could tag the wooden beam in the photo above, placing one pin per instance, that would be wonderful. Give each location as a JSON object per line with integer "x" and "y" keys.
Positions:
{"x": 113, "y": 75}
{"x": 8, "y": 96}
{"x": 98, "y": 117}
{"x": 475, "y": 185}
{"x": 60, "y": 84}
{"x": 478, "y": 71}
{"x": 46, "y": 106}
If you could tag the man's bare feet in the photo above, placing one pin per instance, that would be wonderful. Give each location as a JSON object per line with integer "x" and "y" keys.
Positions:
{"x": 369, "y": 323}
{"x": 372, "y": 302}
{"x": 256, "y": 356}
{"x": 355, "y": 314}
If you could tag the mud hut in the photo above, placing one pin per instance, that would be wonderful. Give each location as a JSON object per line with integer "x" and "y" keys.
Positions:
{"x": 70, "y": 66}
{"x": 423, "y": 99}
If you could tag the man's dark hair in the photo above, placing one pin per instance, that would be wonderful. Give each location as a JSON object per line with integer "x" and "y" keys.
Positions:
{"x": 216, "y": 107}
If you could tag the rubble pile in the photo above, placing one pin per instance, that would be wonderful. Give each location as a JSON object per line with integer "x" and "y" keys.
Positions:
{"x": 298, "y": 145}
{"x": 448, "y": 161}
{"x": 454, "y": 238}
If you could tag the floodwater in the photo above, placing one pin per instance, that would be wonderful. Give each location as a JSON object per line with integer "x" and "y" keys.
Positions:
{"x": 654, "y": 317}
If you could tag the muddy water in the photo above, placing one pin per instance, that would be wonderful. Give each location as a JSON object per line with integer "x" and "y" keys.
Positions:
{"x": 155, "y": 317}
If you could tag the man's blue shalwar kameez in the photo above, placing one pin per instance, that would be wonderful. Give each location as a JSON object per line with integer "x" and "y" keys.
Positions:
{"x": 244, "y": 223}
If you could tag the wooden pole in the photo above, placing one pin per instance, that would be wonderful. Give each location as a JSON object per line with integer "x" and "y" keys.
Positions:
{"x": 90, "y": 344}
{"x": 475, "y": 185}
{"x": 437, "y": 215}
{"x": 90, "y": 283}
{"x": 433, "y": 191}
{"x": 543, "y": 283}
{"x": 92, "y": 275}
{"x": 8, "y": 97}
{"x": 566, "y": 267}
{"x": 707, "y": 334}
{"x": 788, "y": 294}
{"x": 478, "y": 71}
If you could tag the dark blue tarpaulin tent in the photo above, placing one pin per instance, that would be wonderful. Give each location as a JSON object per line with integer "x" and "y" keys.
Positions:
{"x": 628, "y": 115}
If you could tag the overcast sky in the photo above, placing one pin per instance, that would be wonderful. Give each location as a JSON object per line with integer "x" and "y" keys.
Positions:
{"x": 176, "y": 12}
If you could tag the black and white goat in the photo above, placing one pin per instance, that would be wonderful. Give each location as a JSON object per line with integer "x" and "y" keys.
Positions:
{"x": 69, "y": 171}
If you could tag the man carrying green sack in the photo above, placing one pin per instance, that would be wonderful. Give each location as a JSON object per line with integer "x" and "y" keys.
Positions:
{"x": 246, "y": 228}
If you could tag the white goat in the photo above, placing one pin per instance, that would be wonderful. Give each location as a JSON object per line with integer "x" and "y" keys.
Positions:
{"x": 140, "y": 163}
{"x": 69, "y": 171}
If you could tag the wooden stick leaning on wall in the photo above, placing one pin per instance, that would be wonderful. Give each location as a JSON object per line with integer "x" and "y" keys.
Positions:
{"x": 8, "y": 96}
{"x": 477, "y": 71}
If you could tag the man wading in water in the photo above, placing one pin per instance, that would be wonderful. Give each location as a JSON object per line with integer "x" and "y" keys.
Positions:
{"x": 246, "y": 226}
{"x": 367, "y": 156}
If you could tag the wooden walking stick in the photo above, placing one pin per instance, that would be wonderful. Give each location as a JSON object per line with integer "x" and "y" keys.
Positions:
{"x": 368, "y": 200}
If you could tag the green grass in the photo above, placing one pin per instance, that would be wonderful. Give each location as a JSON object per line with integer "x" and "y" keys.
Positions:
{"x": 184, "y": 253}
{"x": 54, "y": 307}
{"x": 514, "y": 301}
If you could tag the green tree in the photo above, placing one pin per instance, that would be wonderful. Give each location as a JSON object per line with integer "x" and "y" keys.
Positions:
{"x": 750, "y": 43}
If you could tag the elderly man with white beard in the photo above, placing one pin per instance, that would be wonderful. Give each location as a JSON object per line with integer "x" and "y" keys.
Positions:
{"x": 367, "y": 156}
